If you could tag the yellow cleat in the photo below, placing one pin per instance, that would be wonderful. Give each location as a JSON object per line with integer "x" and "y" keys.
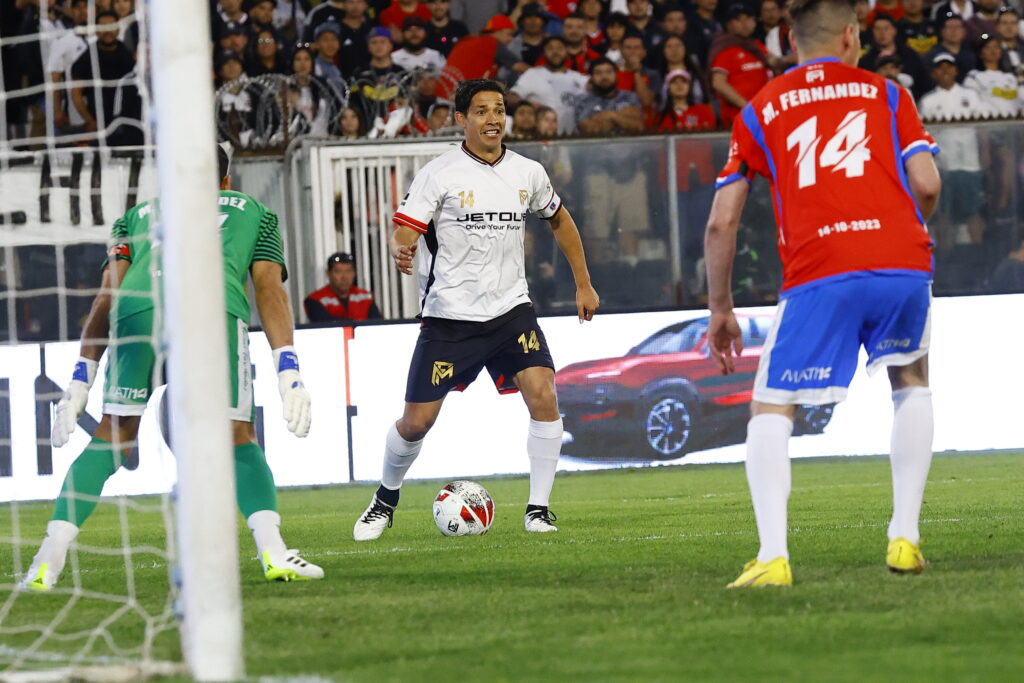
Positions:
{"x": 772, "y": 573}
{"x": 289, "y": 566}
{"x": 39, "y": 580}
{"x": 904, "y": 557}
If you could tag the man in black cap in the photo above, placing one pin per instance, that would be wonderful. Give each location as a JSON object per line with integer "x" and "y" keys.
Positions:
{"x": 340, "y": 299}
{"x": 529, "y": 44}
{"x": 414, "y": 53}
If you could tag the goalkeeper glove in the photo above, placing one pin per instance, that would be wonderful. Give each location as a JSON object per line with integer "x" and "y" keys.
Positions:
{"x": 295, "y": 398}
{"x": 72, "y": 403}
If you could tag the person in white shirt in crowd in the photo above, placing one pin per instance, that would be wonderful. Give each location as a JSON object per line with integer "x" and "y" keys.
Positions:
{"x": 998, "y": 88}
{"x": 553, "y": 85}
{"x": 959, "y": 217}
{"x": 64, "y": 52}
{"x": 1008, "y": 32}
{"x": 414, "y": 53}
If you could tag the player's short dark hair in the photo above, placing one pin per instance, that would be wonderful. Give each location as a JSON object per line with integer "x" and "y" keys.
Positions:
{"x": 599, "y": 61}
{"x": 817, "y": 21}
{"x": 223, "y": 164}
{"x": 467, "y": 90}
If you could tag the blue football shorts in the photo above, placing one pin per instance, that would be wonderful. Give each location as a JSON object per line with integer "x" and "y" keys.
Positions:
{"x": 811, "y": 352}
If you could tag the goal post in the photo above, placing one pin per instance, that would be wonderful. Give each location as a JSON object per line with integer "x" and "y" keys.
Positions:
{"x": 196, "y": 336}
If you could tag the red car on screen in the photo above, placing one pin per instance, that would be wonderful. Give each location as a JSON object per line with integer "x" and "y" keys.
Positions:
{"x": 666, "y": 397}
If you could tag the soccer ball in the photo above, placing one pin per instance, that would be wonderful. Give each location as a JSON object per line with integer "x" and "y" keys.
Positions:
{"x": 463, "y": 508}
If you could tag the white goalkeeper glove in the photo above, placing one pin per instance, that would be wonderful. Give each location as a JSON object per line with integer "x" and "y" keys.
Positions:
{"x": 294, "y": 397}
{"x": 72, "y": 403}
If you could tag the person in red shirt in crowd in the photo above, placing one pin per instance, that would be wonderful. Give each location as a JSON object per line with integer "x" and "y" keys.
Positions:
{"x": 853, "y": 181}
{"x": 739, "y": 64}
{"x": 591, "y": 11}
{"x": 680, "y": 114}
{"x": 481, "y": 56}
{"x": 394, "y": 17}
{"x": 894, "y": 8}
{"x": 574, "y": 32}
{"x": 634, "y": 76}
{"x": 340, "y": 299}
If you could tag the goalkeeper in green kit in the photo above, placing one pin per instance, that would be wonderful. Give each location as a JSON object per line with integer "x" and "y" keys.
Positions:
{"x": 124, "y": 312}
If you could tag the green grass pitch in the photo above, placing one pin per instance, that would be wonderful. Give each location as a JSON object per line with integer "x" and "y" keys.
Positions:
{"x": 632, "y": 588}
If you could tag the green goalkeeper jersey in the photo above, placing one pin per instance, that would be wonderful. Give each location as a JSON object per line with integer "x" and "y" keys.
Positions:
{"x": 248, "y": 231}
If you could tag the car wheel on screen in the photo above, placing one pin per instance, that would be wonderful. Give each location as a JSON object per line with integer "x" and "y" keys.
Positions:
{"x": 668, "y": 426}
{"x": 813, "y": 419}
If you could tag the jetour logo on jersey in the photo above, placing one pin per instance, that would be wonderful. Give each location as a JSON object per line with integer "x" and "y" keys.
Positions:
{"x": 492, "y": 220}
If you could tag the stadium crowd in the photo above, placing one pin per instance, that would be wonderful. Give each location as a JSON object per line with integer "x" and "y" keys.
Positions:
{"x": 385, "y": 68}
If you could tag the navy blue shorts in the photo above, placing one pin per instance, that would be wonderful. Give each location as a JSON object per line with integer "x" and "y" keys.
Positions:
{"x": 811, "y": 352}
{"x": 450, "y": 353}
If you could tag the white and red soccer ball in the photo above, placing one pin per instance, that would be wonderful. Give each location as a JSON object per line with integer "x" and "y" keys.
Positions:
{"x": 463, "y": 508}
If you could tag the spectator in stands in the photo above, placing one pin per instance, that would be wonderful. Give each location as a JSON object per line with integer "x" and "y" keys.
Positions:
{"x": 673, "y": 21}
{"x": 915, "y": 29}
{"x": 885, "y": 34}
{"x": 65, "y": 50}
{"x": 553, "y": 85}
{"x": 547, "y": 123}
{"x": 983, "y": 22}
{"x": 443, "y": 31}
{"x": 414, "y": 53}
{"x": 439, "y": 118}
{"x": 890, "y": 68}
{"x": 483, "y": 56}
{"x": 307, "y": 107}
{"x": 890, "y": 8}
{"x": 329, "y": 10}
{"x": 114, "y": 61}
{"x": 340, "y": 299}
{"x": 394, "y": 16}
{"x": 739, "y": 64}
{"x": 1009, "y": 274}
{"x": 606, "y": 110}
{"x": 616, "y": 190}
{"x": 776, "y": 38}
{"x": 327, "y": 48}
{"x": 641, "y": 19}
{"x": 290, "y": 17}
{"x": 634, "y": 77}
{"x": 1008, "y": 31}
{"x": 128, "y": 32}
{"x": 261, "y": 15}
{"x": 615, "y": 30}
{"x": 959, "y": 218}
{"x": 228, "y": 12}
{"x": 675, "y": 57}
{"x": 354, "y": 30}
{"x": 376, "y": 85}
{"x": 701, "y": 29}
{"x": 591, "y": 11}
{"x": 529, "y": 44}
{"x": 574, "y": 32}
{"x": 524, "y": 120}
{"x": 951, "y": 41}
{"x": 351, "y": 125}
{"x": 229, "y": 66}
{"x": 234, "y": 37}
{"x": 679, "y": 114}
{"x": 477, "y": 14}
{"x": 862, "y": 8}
{"x": 267, "y": 58}
{"x": 997, "y": 87}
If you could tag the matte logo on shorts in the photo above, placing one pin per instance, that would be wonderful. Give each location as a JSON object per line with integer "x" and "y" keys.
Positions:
{"x": 442, "y": 370}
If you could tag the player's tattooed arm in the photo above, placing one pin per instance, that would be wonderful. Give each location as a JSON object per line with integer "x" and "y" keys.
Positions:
{"x": 567, "y": 235}
{"x": 403, "y": 243}
{"x": 724, "y": 335}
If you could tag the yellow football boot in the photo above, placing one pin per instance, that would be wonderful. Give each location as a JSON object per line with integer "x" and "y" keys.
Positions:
{"x": 772, "y": 573}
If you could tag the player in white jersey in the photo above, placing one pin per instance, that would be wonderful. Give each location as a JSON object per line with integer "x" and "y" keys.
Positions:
{"x": 468, "y": 207}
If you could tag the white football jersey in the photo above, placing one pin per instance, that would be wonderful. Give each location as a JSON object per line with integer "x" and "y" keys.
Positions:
{"x": 473, "y": 217}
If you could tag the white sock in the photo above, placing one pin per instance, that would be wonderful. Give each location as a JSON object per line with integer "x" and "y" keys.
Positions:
{"x": 54, "y": 548}
{"x": 768, "y": 475}
{"x": 912, "y": 427}
{"x": 266, "y": 531}
{"x": 543, "y": 445}
{"x": 399, "y": 456}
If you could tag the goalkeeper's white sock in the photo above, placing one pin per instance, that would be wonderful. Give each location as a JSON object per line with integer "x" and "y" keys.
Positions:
{"x": 543, "y": 445}
{"x": 768, "y": 475}
{"x": 266, "y": 531}
{"x": 54, "y": 548}
{"x": 912, "y": 427}
{"x": 399, "y": 456}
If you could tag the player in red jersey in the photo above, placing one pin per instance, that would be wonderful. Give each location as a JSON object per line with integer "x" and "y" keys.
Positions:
{"x": 852, "y": 179}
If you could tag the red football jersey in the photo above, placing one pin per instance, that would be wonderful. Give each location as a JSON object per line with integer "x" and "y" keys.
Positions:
{"x": 746, "y": 74}
{"x": 833, "y": 141}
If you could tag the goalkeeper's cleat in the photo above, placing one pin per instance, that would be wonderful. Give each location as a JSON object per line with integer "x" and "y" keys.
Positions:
{"x": 904, "y": 557}
{"x": 540, "y": 521}
{"x": 289, "y": 566}
{"x": 40, "y": 577}
{"x": 772, "y": 573}
{"x": 371, "y": 524}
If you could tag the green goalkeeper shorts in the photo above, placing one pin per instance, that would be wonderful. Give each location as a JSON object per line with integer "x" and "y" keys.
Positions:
{"x": 135, "y": 365}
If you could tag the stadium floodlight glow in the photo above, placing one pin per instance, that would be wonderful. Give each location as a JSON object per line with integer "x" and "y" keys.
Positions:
{"x": 197, "y": 340}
